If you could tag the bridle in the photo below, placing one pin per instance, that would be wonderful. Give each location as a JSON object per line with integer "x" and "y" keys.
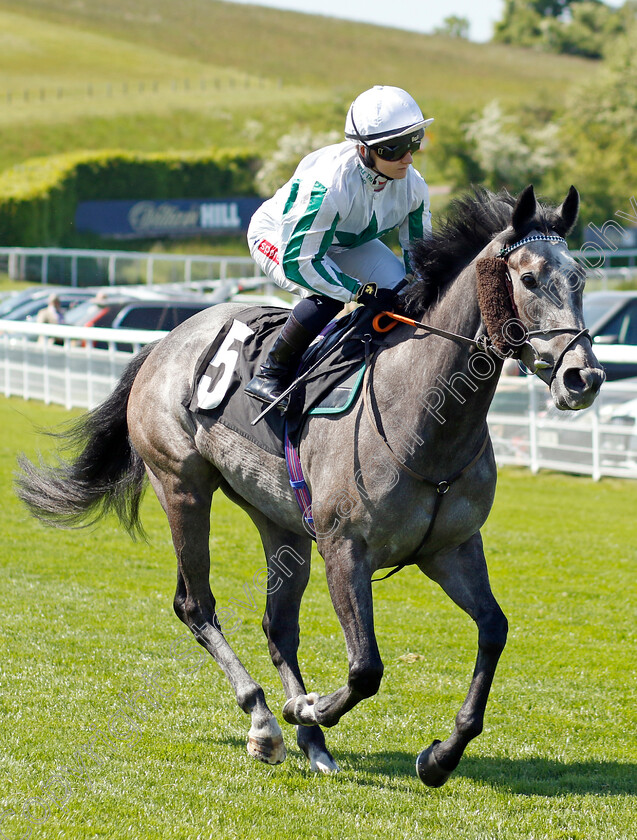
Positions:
{"x": 539, "y": 363}
{"x": 484, "y": 342}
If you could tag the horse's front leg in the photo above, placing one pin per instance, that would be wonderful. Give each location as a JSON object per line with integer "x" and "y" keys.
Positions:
{"x": 349, "y": 581}
{"x": 462, "y": 573}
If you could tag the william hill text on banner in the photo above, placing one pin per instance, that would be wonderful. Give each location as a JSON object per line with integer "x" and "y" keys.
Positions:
{"x": 171, "y": 218}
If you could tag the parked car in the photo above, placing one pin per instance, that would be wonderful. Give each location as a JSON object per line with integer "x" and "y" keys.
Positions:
{"x": 126, "y": 313}
{"x": 612, "y": 320}
{"x": 25, "y": 305}
{"x": 131, "y": 314}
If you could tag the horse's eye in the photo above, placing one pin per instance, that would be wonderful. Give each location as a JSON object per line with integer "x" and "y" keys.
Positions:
{"x": 529, "y": 281}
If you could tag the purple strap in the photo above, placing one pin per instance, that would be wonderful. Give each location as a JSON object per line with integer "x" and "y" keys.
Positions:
{"x": 297, "y": 482}
{"x": 293, "y": 462}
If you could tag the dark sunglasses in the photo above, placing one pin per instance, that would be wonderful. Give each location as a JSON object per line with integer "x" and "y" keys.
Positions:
{"x": 396, "y": 151}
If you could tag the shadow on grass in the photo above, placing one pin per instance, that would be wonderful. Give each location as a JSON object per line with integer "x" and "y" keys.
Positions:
{"x": 542, "y": 777}
{"x": 527, "y": 776}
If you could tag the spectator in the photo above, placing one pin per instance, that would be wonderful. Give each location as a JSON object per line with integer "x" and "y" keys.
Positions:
{"x": 51, "y": 314}
{"x": 97, "y": 305}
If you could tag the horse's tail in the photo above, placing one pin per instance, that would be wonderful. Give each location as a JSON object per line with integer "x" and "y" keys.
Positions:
{"x": 105, "y": 475}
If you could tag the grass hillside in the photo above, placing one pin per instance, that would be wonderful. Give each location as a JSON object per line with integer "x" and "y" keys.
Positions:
{"x": 155, "y": 74}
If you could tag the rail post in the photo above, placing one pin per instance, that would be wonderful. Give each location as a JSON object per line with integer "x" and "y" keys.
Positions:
{"x": 596, "y": 443}
{"x": 533, "y": 445}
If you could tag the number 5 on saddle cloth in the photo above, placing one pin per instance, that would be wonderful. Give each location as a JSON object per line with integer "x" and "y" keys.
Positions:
{"x": 228, "y": 364}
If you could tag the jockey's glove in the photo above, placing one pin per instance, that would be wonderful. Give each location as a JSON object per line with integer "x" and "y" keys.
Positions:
{"x": 378, "y": 300}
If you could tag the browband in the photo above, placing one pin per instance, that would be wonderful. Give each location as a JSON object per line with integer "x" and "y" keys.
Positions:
{"x": 538, "y": 237}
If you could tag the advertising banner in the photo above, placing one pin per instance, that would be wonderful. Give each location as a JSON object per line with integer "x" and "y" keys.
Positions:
{"x": 165, "y": 218}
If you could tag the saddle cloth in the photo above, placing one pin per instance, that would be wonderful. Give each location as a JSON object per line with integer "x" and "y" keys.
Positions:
{"x": 231, "y": 360}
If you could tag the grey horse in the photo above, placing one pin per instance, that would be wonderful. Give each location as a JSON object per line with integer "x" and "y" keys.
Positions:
{"x": 405, "y": 476}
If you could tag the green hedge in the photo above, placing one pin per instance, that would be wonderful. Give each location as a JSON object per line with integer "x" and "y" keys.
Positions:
{"x": 38, "y": 198}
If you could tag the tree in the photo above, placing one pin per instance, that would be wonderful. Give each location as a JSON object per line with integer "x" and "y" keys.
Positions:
{"x": 590, "y": 27}
{"x": 599, "y": 134}
{"x": 576, "y": 27}
{"x": 280, "y": 165}
{"x": 555, "y": 8}
{"x": 520, "y": 24}
{"x": 454, "y": 27}
{"x": 509, "y": 154}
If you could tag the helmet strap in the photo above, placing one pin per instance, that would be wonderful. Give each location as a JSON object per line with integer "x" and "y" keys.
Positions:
{"x": 366, "y": 158}
{"x": 366, "y": 153}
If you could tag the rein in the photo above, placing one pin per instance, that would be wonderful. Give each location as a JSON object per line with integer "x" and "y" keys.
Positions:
{"x": 376, "y": 323}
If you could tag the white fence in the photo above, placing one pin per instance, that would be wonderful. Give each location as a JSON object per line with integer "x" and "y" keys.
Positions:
{"x": 58, "y": 364}
{"x": 78, "y": 267}
{"x": 529, "y": 431}
{"x": 74, "y": 267}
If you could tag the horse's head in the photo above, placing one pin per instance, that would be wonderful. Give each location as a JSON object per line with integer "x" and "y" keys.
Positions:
{"x": 537, "y": 288}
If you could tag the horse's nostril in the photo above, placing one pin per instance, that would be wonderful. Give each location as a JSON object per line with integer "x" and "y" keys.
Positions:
{"x": 573, "y": 380}
{"x": 583, "y": 379}
{"x": 592, "y": 378}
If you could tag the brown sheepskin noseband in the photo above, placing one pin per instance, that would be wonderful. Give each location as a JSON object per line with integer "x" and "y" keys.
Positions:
{"x": 499, "y": 313}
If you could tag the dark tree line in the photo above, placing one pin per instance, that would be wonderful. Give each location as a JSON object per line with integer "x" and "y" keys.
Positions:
{"x": 575, "y": 27}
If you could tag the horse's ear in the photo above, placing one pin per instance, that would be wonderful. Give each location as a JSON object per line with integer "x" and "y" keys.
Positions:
{"x": 525, "y": 208}
{"x": 568, "y": 211}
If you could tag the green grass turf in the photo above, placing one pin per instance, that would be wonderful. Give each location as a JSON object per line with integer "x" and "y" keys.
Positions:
{"x": 87, "y": 614}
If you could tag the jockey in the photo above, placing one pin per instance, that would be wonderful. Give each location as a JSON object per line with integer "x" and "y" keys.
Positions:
{"x": 318, "y": 236}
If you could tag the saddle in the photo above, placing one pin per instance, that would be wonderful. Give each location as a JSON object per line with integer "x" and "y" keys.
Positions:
{"x": 230, "y": 361}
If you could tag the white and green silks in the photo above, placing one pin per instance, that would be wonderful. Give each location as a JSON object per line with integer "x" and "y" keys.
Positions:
{"x": 331, "y": 205}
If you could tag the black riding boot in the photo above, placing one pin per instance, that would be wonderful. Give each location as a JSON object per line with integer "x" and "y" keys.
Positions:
{"x": 280, "y": 365}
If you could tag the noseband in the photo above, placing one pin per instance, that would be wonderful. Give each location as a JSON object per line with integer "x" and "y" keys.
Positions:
{"x": 539, "y": 363}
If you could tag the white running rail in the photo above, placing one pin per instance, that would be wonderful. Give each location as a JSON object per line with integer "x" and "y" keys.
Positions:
{"x": 58, "y": 364}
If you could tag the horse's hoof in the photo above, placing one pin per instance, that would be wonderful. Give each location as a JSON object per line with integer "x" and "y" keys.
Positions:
{"x": 324, "y": 764}
{"x": 267, "y": 746}
{"x": 321, "y": 761}
{"x": 268, "y": 750}
{"x": 428, "y": 769}
{"x": 301, "y": 710}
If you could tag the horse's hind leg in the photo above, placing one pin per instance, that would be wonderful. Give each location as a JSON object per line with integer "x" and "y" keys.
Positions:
{"x": 288, "y": 557}
{"x": 186, "y": 498}
{"x": 463, "y": 575}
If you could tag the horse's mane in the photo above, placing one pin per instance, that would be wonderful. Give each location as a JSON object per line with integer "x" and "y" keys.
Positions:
{"x": 472, "y": 222}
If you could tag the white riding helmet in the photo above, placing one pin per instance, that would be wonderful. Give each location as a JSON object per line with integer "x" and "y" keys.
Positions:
{"x": 383, "y": 113}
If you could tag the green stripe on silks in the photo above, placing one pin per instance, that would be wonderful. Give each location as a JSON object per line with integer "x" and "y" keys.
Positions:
{"x": 416, "y": 231}
{"x": 344, "y": 280}
{"x": 290, "y": 260}
{"x": 294, "y": 191}
{"x": 351, "y": 240}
